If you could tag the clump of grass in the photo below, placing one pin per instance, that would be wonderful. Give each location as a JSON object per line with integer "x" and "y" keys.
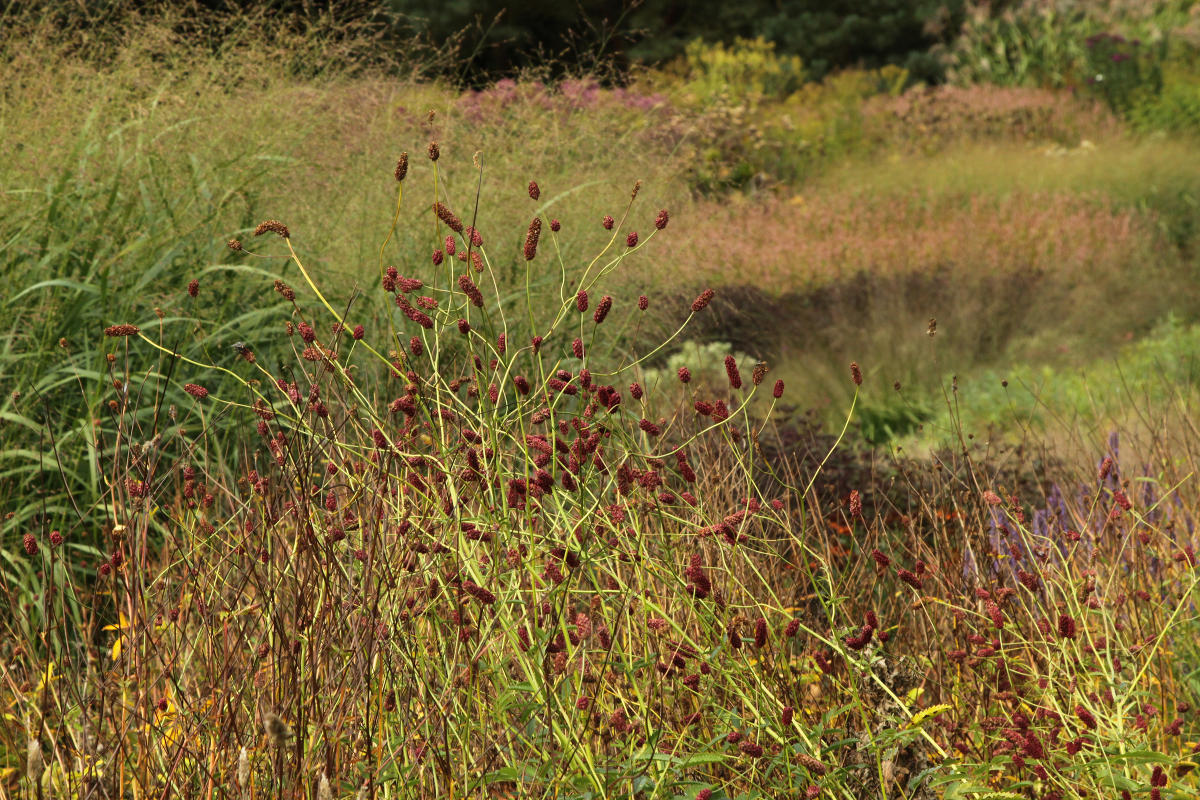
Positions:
{"x": 460, "y": 552}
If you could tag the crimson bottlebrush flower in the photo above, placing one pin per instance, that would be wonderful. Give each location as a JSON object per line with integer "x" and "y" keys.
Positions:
{"x": 444, "y": 213}
{"x": 777, "y": 392}
{"x": 731, "y": 369}
{"x": 909, "y": 578}
{"x": 861, "y": 640}
{"x": 415, "y": 345}
{"x": 991, "y": 498}
{"x": 703, "y": 409}
{"x": 521, "y": 383}
{"x": 437, "y": 258}
{"x": 534, "y": 191}
{"x": 195, "y": 390}
{"x": 464, "y": 327}
{"x": 1086, "y": 717}
{"x": 750, "y": 748}
{"x": 649, "y": 427}
{"x": 1066, "y": 626}
{"x": 401, "y": 167}
{"x": 855, "y": 504}
{"x": 536, "y": 343}
{"x": 1122, "y": 500}
{"x": 414, "y": 314}
{"x": 1106, "y": 467}
{"x": 704, "y": 794}
{"x": 56, "y": 539}
{"x": 685, "y": 375}
{"x": 635, "y": 389}
{"x": 581, "y": 300}
{"x": 193, "y": 288}
{"x": 306, "y": 332}
{"x": 1029, "y": 580}
{"x": 760, "y": 633}
{"x": 681, "y": 460}
{"x": 786, "y": 717}
{"x": 997, "y": 616}
{"x": 272, "y": 226}
{"x": 608, "y": 222}
{"x": 643, "y": 302}
{"x": 476, "y": 238}
{"x": 555, "y": 225}
{"x": 30, "y": 543}
{"x": 791, "y": 628}
{"x": 121, "y": 330}
{"x": 470, "y": 290}
{"x": 703, "y": 300}
{"x": 602, "y": 309}
{"x": 632, "y": 239}
{"x": 855, "y": 373}
{"x": 479, "y": 593}
{"x": 662, "y": 219}
{"x": 577, "y": 347}
{"x": 359, "y": 332}
{"x": 531, "y": 238}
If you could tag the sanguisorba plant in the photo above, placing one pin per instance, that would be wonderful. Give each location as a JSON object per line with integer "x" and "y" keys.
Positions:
{"x": 457, "y": 554}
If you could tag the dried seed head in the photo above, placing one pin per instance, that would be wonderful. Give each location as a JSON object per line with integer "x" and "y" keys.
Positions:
{"x": 434, "y": 152}
{"x": 34, "y": 763}
{"x": 30, "y": 544}
{"x": 760, "y": 372}
{"x": 195, "y": 390}
{"x": 324, "y": 792}
{"x": 235, "y": 245}
{"x": 121, "y": 330}
{"x": 534, "y": 191}
{"x": 243, "y": 768}
{"x": 401, "y": 166}
{"x": 272, "y": 226}
{"x": 531, "y": 238}
{"x": 855, "y": 373}
{"x": 637, "y": 187}
{"x": 277, "y": 730}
